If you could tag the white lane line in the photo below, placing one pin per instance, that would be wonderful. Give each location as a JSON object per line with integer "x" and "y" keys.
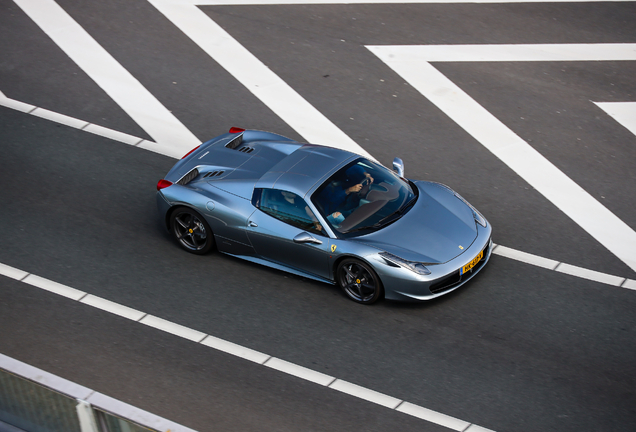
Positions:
{"x": 173, "y": 328}
{"x": 59, "y": 118}
{"x": 235, "y": 350}
{"x": 413, "y": 64}
{"x": 475, "y": 428}
{"x": 54, "y": 287}
{"x": 629, "y": 284}
{"x": 169, "y": 133}
{"x": 112, "y": 307}
{"x": 232, "y": 348}
{"x": 366, "y": 394}
{"x": 112, "y": 134}
{"x": 82, "y": 125}
{"x": 12, "y": 272}
{"x": 622, "y": 112}
{"x": 16, "y": 105}
{"x": 299, "y": 371}
{"x": 98, "y": 400}
{"x": 590, "y": 274}
{"x": 275, "y": 93}
{"x": 433, "y": 416}
{"x": 525, "y": 257}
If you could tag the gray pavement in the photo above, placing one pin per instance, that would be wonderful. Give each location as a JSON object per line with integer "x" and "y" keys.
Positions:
{"x": 518, "y": 349}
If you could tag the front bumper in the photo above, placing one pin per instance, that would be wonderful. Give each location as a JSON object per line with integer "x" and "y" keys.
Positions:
{"x": 402, "y": 284}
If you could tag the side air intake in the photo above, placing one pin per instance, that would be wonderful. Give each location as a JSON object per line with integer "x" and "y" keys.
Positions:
{"x": 188, "y": 177}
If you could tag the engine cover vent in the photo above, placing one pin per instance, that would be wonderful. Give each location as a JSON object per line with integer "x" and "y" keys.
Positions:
{"x": 214, "y": 174}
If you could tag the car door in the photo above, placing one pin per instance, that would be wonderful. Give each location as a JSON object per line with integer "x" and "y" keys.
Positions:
{"x": 284, "y": 231}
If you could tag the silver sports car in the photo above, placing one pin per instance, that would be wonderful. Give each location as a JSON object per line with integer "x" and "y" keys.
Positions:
{"x": 325, "y": 214}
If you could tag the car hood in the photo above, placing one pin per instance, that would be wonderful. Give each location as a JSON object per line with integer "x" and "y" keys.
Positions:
{"x": 438, "y": 228}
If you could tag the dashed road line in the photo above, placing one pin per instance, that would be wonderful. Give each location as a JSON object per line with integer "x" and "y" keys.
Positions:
{"x": 237, "y": 350}
{"x": 561, "y": 267}
{"x": 291, "y": 368}
{"x": 81, "y": 124}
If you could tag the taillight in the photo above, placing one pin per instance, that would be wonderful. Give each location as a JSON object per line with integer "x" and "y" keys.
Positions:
{"x": 235, "y": 129}
{"x": 188, "y": 153}
{"x": 163, "y": 184}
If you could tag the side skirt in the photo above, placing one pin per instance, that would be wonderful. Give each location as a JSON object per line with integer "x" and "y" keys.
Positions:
{"x": 281, "y": 267}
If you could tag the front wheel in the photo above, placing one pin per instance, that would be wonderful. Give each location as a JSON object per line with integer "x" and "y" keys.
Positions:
{"x": 358, "y": 281}
{"x": 191, "y": 231}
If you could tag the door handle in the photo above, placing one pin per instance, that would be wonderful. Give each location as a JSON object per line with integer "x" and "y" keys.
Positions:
{"x": 252, "y": 224}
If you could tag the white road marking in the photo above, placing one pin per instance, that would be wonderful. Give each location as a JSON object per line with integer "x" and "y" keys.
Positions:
{"x": 475, "y": 428}
{"x": 366, "y": 394}
{"x": 82, "y": 125}
{"x": 112, "y": 134}
{"x": 255, "y": 76}
{"x": 433, "y": 416}
{"x": 59, "y": 118}
{"x": 112, "y": 307}
{"x": 97, "y": 400}
{"x": 173, "y": 328}
{"x": 299, "y": 371}
{"x": 16, "y": 105}
{"x": 413, "y": 64}
{"x": 169, "y": 133}
{"x": 54, "y": 287}
{"x": 525, "y": 257}
{"x": 231, "y": 348}
{"x": 622, "y": 112}
{"x": 235, "y": 350}
{"x": 12, "y": 272}
{"x": 282, "y": 365}
{"x": 590, "y": 274}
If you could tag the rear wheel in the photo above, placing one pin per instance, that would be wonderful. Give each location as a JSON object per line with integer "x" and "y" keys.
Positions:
{"x": 191, "y": 231}
{"x": 358, "y": 281}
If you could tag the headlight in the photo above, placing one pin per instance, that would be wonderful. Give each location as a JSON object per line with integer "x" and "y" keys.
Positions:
{"x": 478, "y": 217}
{"x": 416, "y": 267}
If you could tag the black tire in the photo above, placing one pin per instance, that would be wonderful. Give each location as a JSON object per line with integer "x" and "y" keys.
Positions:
{"x": 358, "y": 281}
{"x": 191, "y": 231}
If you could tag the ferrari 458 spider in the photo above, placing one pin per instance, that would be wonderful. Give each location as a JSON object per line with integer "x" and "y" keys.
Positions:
{"x": 325, "y": 214}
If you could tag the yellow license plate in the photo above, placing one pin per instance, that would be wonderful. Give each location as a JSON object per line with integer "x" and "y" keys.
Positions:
{"x": 473, "y": 263}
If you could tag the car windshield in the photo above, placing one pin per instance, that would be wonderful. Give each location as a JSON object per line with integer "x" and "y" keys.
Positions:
{"x": 363, "y": 196}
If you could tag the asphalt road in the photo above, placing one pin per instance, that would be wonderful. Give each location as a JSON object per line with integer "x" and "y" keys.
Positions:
{"x": 520, "y": 348}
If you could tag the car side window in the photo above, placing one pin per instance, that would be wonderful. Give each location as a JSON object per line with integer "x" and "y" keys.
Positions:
{"x": 289, "y": 208}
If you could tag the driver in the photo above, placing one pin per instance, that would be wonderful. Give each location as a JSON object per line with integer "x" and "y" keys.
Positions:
{"x": 343, "y": 196}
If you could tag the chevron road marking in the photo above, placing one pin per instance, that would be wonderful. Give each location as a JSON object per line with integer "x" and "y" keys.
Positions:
{"x": 170, "y": 135}
{"x": 413, "y": 63}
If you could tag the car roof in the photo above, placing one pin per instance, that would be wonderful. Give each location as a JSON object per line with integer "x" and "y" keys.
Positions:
{"x": 304, "y": 168}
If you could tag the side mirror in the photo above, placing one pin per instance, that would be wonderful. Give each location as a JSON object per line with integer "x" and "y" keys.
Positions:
{"x": 304, "y": 237}
{"x": 398, "y": 166}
